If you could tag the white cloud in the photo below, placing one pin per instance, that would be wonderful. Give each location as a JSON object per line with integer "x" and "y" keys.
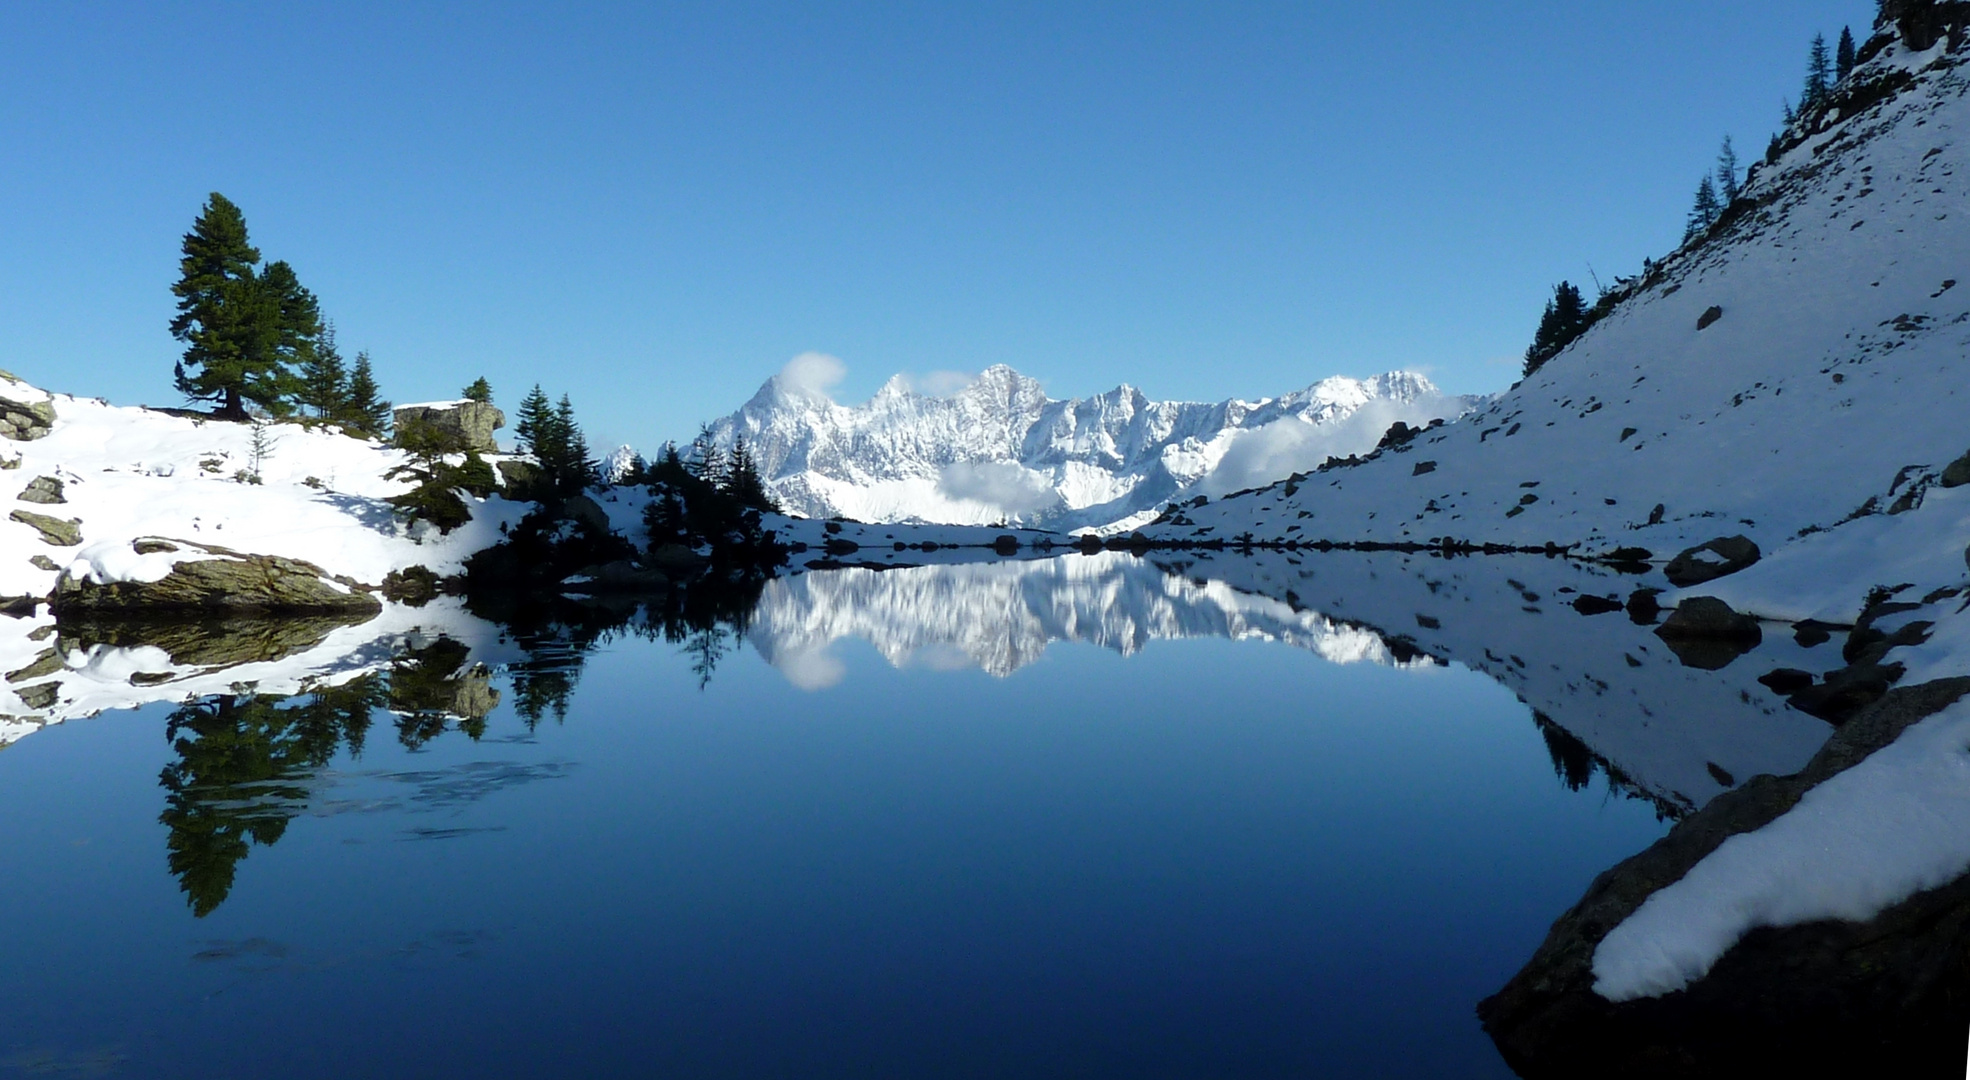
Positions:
{"x": 1279, "y": 449}
{"x": 814, "y": 373}
{"x": 1007, "y": 485}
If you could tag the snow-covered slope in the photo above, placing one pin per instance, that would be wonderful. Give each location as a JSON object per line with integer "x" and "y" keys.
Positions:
{"x": 1806, "y": 359}
{"x": 1001, "y": 450}
{"x": 126, "y": 473}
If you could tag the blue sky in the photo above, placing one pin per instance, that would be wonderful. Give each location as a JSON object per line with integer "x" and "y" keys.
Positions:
{"x": 652, "y": 208}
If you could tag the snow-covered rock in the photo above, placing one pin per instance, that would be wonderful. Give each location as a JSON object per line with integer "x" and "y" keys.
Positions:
{"x": 1000, "y": 450}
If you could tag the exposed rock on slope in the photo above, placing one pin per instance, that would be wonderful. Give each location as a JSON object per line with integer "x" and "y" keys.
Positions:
{"x": 1001, "y": 450}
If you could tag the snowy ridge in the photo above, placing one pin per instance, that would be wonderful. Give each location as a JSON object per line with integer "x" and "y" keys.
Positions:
{"x": 1000, "y": 450}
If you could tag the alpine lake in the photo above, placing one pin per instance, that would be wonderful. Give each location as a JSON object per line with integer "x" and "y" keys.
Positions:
{"x": 1102, "y": 815}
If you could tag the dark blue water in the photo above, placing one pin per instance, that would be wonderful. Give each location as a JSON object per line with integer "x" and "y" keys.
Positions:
{"x": 1210, "y": 859}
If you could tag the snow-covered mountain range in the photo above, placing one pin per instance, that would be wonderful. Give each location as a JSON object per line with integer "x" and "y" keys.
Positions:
{"x": 1001, "y": 450}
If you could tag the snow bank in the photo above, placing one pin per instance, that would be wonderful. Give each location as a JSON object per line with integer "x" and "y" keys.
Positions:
{"x": 1891, "y": 826}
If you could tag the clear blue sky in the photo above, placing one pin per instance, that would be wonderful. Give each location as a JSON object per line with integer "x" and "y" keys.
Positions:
{"x": 653, "y": 207}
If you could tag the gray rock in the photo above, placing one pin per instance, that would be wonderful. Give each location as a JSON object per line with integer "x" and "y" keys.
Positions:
{"x": 1705, "y": 633}
{"x": 1785, "y": 1001}
{"x": 43, "y": 562}
{"x": 472, "y": 421}
{"x": 1956, "y": 473}
{"x": 48, "y": 663}
{"x": 1691, "y": 568}
{"x": 43, "y": 489}
{"x": 55, "y": 532}
{"x": 585, "y": 510}
{"x": 224, "y": 581}
{"x": 1708, "y": 617}
{"x": 24, "y": 422}
{"x": 517, "y": 474}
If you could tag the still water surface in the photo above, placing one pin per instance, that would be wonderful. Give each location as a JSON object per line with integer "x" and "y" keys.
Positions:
{"x": 1209, "y": 858}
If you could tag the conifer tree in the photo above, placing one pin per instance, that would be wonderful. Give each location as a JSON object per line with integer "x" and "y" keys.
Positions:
{"x": 707, "y": 462}
{"x": 324, "y": 378}
{"x": 1727, "y": 186}
{"x": 480, "y": 391}
{"x": 535, "y": 415}
{"x": 1843, "y": 55}
{"x": 743, "y": 481}
{"x": 1819, "y": 77}
{"x": 1704, "y": 213}
{"x": 1564, "y": 320}
{"x": 223, "y": 317}
{"x": 575, "y": 470}
{"x": 365, "y": 412}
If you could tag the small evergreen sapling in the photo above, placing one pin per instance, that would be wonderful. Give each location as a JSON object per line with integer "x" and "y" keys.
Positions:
{"x": 480, "y": 391}
{"x": 436, "y": 497}
{"x": 365, "y": 412}
{"x": 324, "y": 378}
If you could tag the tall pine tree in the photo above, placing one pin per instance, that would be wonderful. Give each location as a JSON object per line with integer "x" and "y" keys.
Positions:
{"x": 575, "y": 471}
{"x": 536, "y": 414}
{"x": 1704, "y": 213}
{"x": 221, "y": 313}
{"x": 1843, "y": 54}
{"x": 1819, "y": 77}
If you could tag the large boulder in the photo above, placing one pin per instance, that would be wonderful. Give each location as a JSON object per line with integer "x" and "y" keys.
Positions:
{"x": 209, "y": 579}
{"x": 1957, "y": 473}
{"x": 473, "y": 422}
{"x": 1704, "y": 632}
{"x": 1711, "y": 560}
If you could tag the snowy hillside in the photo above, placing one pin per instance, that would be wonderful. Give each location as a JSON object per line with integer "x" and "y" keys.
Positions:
{"x": 1803, "y": 364}
{"x": 106, "y": 475}
{"x": 1001, "y": 450}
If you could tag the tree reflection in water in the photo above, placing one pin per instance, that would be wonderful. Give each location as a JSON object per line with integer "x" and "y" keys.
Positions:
{"x": 248, "y": 764}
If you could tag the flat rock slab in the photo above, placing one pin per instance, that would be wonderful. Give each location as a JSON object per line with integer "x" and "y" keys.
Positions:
{"x": 57, "y": 532}
{"x": 221, "y": 581}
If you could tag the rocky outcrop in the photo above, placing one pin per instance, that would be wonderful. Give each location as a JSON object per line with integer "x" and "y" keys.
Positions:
{"x": 1711, "y": 560}
{"x": 23, "y": 421}
{"x": 217, "y": 580}
{"x": 1956, "y": 473}
{"x": 46, "y": 490}
{"x": 472, "y": 422}
{"x": 56, "y": 532}
{"x": 1883, "y": 998}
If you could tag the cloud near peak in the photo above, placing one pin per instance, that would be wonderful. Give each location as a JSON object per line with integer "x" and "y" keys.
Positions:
{"x": 814, "y": 373}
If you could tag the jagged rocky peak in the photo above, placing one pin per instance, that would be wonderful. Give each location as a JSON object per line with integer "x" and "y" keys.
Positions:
{"x": 998, "y": 449}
